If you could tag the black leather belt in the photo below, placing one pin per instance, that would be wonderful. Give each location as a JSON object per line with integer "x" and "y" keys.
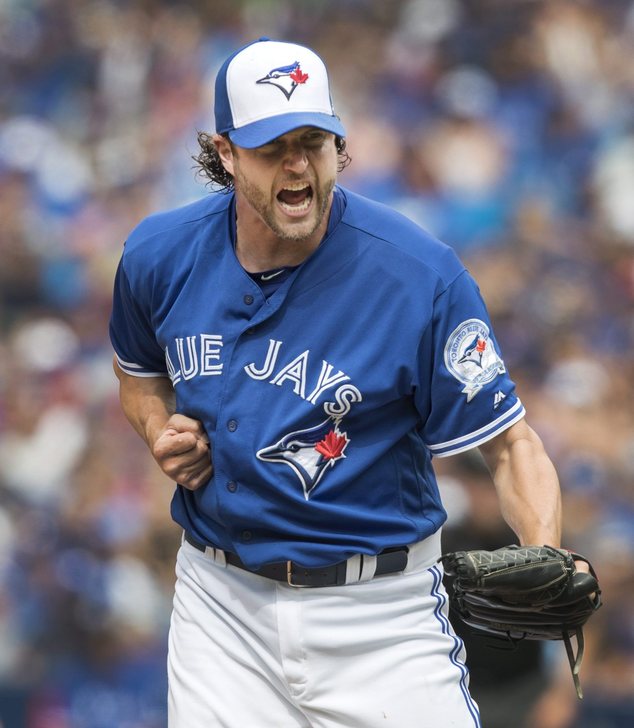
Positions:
{"x": 389, "y": 561}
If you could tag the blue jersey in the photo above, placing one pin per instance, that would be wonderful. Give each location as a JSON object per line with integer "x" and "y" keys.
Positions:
{"x": 325, "y": 402}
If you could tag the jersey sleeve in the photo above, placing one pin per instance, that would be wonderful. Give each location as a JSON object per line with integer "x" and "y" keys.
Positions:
{"x": 137, "y": 351}
{"x": 464, "y": 392}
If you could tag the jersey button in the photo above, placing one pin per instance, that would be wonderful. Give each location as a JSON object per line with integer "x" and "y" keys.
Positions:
{"x": 246, "y": 535}
{"x": 232, "y": 486}
{"x": 232, "y": 425}
{"x": 248, "y": 299}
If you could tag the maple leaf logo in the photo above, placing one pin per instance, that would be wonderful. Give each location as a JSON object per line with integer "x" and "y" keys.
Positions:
{"x": 298, "y": 76}
{"x": 481, "y": 346}
{"x": 333, "y": 445}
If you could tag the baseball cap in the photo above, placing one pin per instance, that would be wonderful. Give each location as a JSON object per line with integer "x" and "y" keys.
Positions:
{"x": 268, "y": 88}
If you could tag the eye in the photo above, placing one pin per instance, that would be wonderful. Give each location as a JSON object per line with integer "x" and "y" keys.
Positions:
{"x": 315, "y": 140}
{"x": 270, "y": 150}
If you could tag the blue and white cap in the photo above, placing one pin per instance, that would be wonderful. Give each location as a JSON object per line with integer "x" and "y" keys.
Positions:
{"x": 269, "y": 88}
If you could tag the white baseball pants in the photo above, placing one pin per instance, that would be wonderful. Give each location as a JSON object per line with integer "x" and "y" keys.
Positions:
{"x": 249, "y": 652}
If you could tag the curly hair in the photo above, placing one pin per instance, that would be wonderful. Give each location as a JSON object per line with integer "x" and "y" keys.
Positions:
{"x": 209, "y": 164}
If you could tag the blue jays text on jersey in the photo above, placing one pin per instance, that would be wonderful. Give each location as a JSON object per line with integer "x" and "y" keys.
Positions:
{"x": 325, "y": 402}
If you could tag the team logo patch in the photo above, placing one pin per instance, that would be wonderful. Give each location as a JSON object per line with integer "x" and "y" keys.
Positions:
{"x": 286, "y": 78}
{"x": 310, "y": 453}
{"x": 471, "y": 357}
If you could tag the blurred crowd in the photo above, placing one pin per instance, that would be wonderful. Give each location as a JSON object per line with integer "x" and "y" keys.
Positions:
{"x": 506, "y": 128}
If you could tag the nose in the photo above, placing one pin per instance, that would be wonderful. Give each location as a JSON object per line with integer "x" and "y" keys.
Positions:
{"x": 296, "y": 159}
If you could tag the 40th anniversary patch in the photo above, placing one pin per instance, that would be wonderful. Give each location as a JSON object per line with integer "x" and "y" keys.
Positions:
{"x": 470, "y": 356}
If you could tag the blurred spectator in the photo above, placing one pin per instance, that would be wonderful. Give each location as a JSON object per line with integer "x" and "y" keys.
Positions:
{"x": 507, "y": 129}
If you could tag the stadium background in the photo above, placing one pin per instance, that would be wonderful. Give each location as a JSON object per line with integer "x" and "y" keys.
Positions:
{"x": 505, "y": 127}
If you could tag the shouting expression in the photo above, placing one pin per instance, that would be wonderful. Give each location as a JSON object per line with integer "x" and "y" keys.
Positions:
{"x": 287, "y": 183}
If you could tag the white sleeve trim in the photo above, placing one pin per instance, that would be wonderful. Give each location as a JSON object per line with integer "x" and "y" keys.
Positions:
{"x": 134, "y": 370}
{"x": 129, "y": 364}
{"x": 478, "y": 437}
{"x": 492, "y": 425}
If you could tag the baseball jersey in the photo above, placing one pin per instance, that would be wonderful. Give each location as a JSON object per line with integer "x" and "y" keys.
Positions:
{"x": 325, "y": 401}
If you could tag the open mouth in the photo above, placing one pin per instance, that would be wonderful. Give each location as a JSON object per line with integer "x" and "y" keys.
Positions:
{"x": 296, "y": 197}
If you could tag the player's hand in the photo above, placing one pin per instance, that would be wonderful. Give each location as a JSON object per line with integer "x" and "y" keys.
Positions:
{"x": 182, "y": 452}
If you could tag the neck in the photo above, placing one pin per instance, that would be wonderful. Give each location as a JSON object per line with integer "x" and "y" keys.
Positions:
{"x": 259, "y": 248}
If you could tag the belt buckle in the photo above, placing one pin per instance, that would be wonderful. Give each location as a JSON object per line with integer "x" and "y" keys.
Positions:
{"x": 289, "y": 577}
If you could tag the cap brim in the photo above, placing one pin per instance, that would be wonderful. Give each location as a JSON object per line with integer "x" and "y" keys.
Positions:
{"x": 262, "y": 132}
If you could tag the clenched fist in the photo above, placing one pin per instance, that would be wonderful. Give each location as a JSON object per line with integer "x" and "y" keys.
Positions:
{"x": 182, "y": 452}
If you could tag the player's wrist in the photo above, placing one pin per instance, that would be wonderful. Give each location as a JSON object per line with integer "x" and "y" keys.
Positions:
{"x": 155, "y": 427}
{"x": 540, "y": 536}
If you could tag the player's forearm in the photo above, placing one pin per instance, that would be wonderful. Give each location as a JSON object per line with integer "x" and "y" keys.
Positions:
{"x": 147, "y": 402}
{"x": 178, "y": 443}
{"x": 527, "y": 485}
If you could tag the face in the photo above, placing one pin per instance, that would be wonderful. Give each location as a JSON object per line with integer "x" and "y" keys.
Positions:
{"x": 286, "y": 184}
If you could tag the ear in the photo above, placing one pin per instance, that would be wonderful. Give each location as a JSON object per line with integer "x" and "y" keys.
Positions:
{"x": 225, "y": 151}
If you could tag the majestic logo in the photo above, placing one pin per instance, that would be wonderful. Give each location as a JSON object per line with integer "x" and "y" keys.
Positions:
{"x": 310, "y": 453}
{"x": 286, "y": 78}
{"x": 498, "y": 399}
{"x": 471, "y": 357}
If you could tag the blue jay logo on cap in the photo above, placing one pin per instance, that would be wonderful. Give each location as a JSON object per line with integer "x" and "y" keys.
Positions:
{"x": 286, "y": 78}
{"x": 310, "y": 453}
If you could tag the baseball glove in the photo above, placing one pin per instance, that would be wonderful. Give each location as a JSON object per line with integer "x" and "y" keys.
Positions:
{"x": 531, "y": 592}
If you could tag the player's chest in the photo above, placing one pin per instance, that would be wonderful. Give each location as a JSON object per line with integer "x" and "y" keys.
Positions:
{"x": 311, "y": 348}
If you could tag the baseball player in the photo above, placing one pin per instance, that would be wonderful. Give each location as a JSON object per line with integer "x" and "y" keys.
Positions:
{"x": 294, "y": 356}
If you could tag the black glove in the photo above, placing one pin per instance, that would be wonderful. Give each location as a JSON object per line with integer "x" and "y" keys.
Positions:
{"x": 525, "y": 592}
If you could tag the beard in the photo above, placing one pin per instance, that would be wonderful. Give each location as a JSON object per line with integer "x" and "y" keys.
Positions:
{"x": 267, "y": 208}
